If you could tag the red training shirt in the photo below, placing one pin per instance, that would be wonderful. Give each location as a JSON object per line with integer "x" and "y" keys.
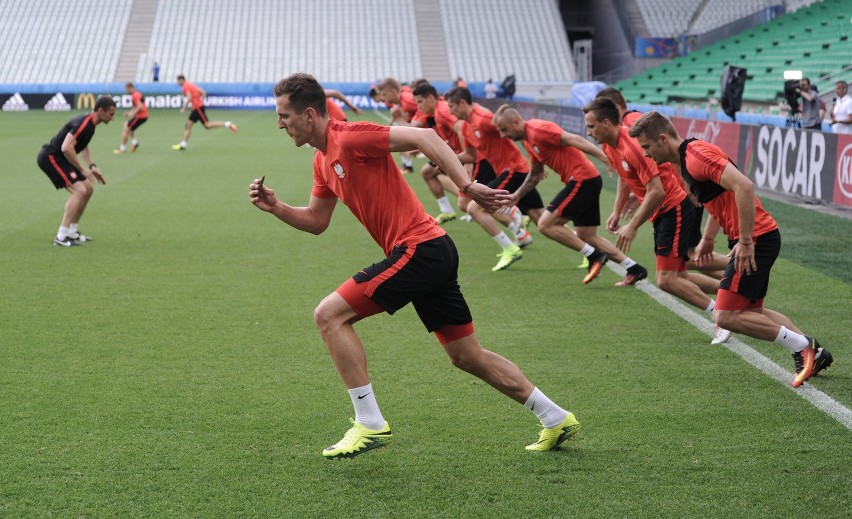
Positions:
{"x": 628, "y": 159}
{"x": 357, "y": 168}
{"x": 706, "y": 162}
{"x": 543, "y": 142}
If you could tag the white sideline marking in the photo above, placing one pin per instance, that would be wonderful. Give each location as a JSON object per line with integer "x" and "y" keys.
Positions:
{"x": 820, "y": 400}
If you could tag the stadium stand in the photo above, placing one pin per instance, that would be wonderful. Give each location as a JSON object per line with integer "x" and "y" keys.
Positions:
{"x": 502, "y": 37}
{"x": 814, "y": 40}
{"x": 85, "y": 41}
{"x": 722, "y": 12}
{"x": 225, "y": 41}
{"x": 69, "y": 41}
{"x": 667, "y": 18}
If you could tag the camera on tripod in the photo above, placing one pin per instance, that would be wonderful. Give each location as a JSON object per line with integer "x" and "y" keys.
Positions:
{"x": 791, "y": 94}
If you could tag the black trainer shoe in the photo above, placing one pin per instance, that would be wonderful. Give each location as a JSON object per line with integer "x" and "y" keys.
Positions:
{"x": 635, "y": 273}
{"x": 79, "y": 239}
{"x": 822, "y": 360}
{"x": 65, "y": 242}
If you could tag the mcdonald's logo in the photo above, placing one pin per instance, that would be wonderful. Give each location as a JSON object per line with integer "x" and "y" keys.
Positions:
{"x": 86, "y": 101}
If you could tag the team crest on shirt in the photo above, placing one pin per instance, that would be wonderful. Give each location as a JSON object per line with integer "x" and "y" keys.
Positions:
{"x": 476, "y": 133}
{"x": 535, "y": 149}
{"x": 625, "y": 165}
{"x": 337, "y": 167}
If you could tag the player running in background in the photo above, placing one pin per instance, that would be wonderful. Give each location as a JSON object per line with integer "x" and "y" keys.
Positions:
{"x": 136, "y": 117}
{"x": 482, "y": 137}
{"x": 753, "y": 237}
{"x": 662, "y": 199}
{"x": 579, "y": 201}
{"x": 447, "y": 127}
{"x": 403, "y": 109}
{"x": 353, "y": 163}
{"x": 195, "y": 96}
{"x": 60, "y": 161}
{"x": 334, "y": 110}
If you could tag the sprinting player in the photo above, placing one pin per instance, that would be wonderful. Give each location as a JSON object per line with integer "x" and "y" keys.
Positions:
{"x": 60, "y": 161}
{"x": 334, "y": 110}
{"x": 403, "y": 109}
{"x": 447, "y": 127}
{"x": 662, "y": 199}
{"x": 548, "y": 144}
{"x": 354, "y": 163}
{"x": 628, "y": 117}
{"x": 481, "y": 136}
{"x": 136, "y": 117}
{"x": 195, "y": 96}
{"x": 712, "y": 270}
{"x": 753, "y": 237}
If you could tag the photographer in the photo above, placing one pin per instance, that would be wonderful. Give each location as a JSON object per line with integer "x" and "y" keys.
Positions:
{"x": 811, "y": 119}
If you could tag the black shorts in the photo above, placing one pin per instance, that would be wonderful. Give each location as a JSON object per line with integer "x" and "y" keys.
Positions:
{"x": 425, "y": 275}
{"x": 580, "y": 202}
{"x": 695, "y": 232}
{"x": 511, "y": 181}
{"x": 136, "y": 122}
{"x": 199, "y": 114}
{"x": 672, "y": 230}
{"x": 483, "y": 172}
{"x": 57, "y": 168}
{"x": 754, "y": 286}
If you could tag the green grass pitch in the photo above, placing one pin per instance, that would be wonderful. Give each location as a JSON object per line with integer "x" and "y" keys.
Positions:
{"x": 171, "y": 368}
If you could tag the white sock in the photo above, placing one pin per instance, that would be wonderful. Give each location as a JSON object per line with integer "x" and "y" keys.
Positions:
{"x": 62, "y": 233}
{"x": 587, "y": 250}
{"x": 517, "y": 219}
{"x": 183, "y": 144}
{"x": 710, "y": 307}
{"x": 227, "y": 124}
{"x": 791, "y": 340}
{"x": 72, "y": 229}
{"x": 503, "y": 241}
{"x": 133, "y": 142}
{"x": 366, "y": 408}
{"x": 444, "y": 205}
{"x": 627, "y": 263}
{"x": 549, "y": 413}
{"x": 123, "y": 147}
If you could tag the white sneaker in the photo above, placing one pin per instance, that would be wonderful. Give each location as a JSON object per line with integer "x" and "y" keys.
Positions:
{"x": 466, "y": 218}
{"x": 524, "y": 240}
{"x": 722, "y": 336}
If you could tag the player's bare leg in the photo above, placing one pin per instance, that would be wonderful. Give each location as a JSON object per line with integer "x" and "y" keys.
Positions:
{"x": 678, "y": 284}
{"x": 500, "y": 373}
{"x": 80, "y": 194}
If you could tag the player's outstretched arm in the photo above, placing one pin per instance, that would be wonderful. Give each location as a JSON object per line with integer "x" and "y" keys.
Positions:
{"x": 313, "y": 219}
{"x": 426, "y": 140}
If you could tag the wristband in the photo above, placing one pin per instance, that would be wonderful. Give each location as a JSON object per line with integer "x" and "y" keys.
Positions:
{"x": 743, "y": 243}
{"x": 465, "y": 188}
{"x": 92, "y": 165}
